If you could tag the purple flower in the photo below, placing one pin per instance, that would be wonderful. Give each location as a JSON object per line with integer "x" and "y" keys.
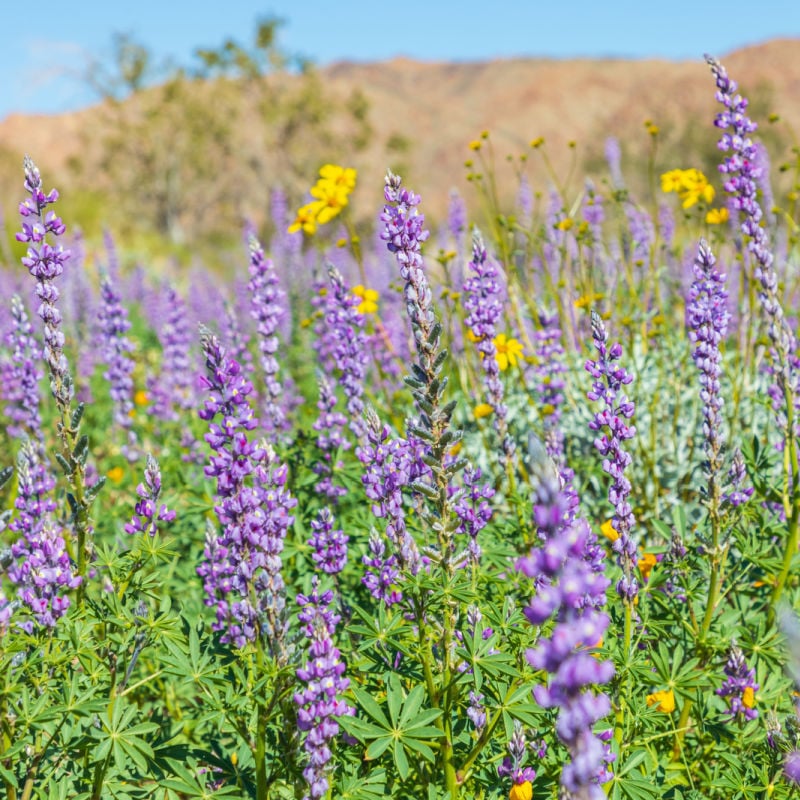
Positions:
{"x": 741, "y": 171}
{"x": 320, "y": 703}
{"x": 344, "y": 327}
{"x": 708, "y": 318}
{"x": 266, "y": 296}
{"x": 389, "y": 467}
{"x": 329, "y": 426}
{"x": 737, "y": 474}
{"x": 21, "y": 378}
{"x": 147, "y": 513}
{"x": 46, "y": 263}
{"x": 476, "y": 711}
{"x": 740, "y": 687}
{"x": 483, "y": 292}
{"x": 116, "y": 348}
{"x": 42, "y": 570}
{"x": 610, "y": 423}
{"x": 570, "y": 585}
{"x": 171, "y": 390}
{"x": 329, "y": 546}
{"x": 381, "y": 574}
{"x": 473, "y": 510}
{"x": 242, "y": 567}
{"x": 512, "y": 766}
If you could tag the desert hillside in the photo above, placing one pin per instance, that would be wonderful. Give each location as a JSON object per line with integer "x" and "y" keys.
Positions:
{"x": 438, "y": 108}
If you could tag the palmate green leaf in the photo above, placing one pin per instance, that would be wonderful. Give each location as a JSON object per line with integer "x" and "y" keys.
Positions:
{"x": 361, "y": 729}
{"x": 367, "y": 702}
{"x": 378, "y": 747}
{"x": 372, "y": 787}
{"x": 400, "y": 760}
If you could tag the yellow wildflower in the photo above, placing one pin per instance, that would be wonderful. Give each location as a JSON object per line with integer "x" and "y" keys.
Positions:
{"x": 472, "y": 337}
{"x": 332, "y": 199}
{"x": 587, "y": 300}
{"x": 368, "y": 298}
{"x": 343, "y": 177}
{"x": 663, "y": 700}
{"x": 689, "y": 184}
{"x": 538, "y": 142}
{"x": 565, "y": 224}
{"x": 521, "y": 791}
{"x": 115, "y": 474}
{"x": 508, "y": 351}
{"x": 652, "y": 129}
{"x": 749, "y": 697}
{"x": 716, "y": 216}
{"x": 306, "y": 219}
{"x": 482, "y": 410}
{"x": 646, "y": 564}
{"x": 141, "y": 398}
{"x": 475, "y": 145}
{"x": 609, "y": 531}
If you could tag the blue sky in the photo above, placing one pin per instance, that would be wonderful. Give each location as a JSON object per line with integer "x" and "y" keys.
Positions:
{"x": 45, "y": 47}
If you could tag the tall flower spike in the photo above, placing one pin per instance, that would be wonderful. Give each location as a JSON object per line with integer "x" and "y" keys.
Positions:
{"x": 147, "y": 513}
{"x": 266, "y": 310}
{"x": 482, "y": 302}
{"x": 46, "y": 263}
{"x": 740, "y": 686}
{"x": 242, "y": 567}
{"x": 570, "y": 586}
{"x": 114, "y": 324}
{"x": 609, "y": 422}
{"x": 349, "y": 351}
{"x": 708, "y": 318}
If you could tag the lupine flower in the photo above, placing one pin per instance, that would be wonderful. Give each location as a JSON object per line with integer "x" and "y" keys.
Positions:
{"x": 235, "y": 338}
{"x": 389, "y": 465}
{"x": 116, "y": 347}
{"x": 457, "y": 219}
{"x": 46, "y": 263}
{"x": 344, "y": 326}
{"x": 741, "y": 171}
{"x": 42, "y": 570}
{"x": 381, "y": 574}
{"x": 614, "y": 160}
{"x": 329, "y": 546}
{"x": 473, "y": 510}
{"x": 320, "y": 703}
{"x": 329, "y": 425}
{"x": 476, "y": 712}
{"x": 708, "y": 318}
{"x": 610, "y": 422}
{"x": 740, "y": 687}
{"x": 147, "y": 513}
{"x": 266, "y": 296}
{"x": 242, "y": 567}
{"x": 570, "y": 585}
{"x": 737, "y": 475}
{"x": 170, "y": 391}
{"x": 482, "y": 300}
{"x": 22, "y": 377}
{"x": 513, "y": 767}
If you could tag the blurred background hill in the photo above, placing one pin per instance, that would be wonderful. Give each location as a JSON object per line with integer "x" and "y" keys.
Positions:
{"x": 185, "y": 158}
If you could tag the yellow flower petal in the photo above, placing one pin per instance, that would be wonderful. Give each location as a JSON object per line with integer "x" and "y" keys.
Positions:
{"x": 646, "y": 564}
{"x": 115, "y": 474}
{"x": 482, "y": 410}
{"x": 663, "y": 700}
{"x": 609, "y": 531}
{"x": 521, "y": 791}
{"x": 748, "y": 697}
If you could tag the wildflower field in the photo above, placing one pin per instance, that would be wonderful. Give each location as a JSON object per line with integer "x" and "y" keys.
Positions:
{"x": 505, "y": 509}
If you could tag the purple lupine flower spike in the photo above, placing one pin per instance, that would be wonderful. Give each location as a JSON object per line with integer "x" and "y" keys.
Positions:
{"x": 320, "y": 703}
{"x": 513, "y": 764}
{"x": 742, "y": 174}
{"x": 708, "y": 317}
{"x": 329, "y": 545}
{"x": 23, "y": 375}
{"x": 241, "y": 570}
{"x": 114, "y": 324}
{"x": 42, "y": 570}
{"x": 609, "y": 380}
{"x": 740, "y": 687}
{"x": 483, "y": 303}
{"x": 349, "y": 352}
{"x": 266, "y": 309}
{"x": 329, "y": 425}
{"x": 473, "y": 510}
{"x": 147, "y": 513}
{"x": 170, "y": 391}
{"x": 570, "y": 585}
{"x": 46, "y": 263}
